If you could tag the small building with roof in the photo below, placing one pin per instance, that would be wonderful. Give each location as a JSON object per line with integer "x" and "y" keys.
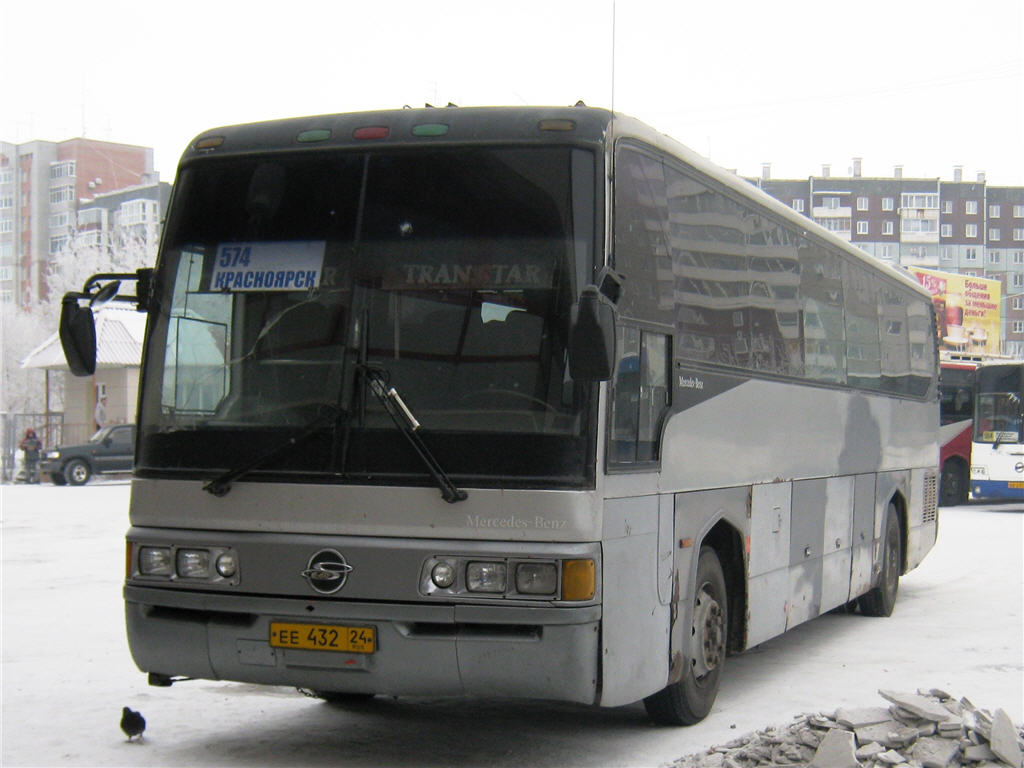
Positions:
{"x": 119, "y": 333}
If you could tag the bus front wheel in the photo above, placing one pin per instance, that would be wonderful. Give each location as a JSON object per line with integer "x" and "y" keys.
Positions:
{"x": 690, "y": 700}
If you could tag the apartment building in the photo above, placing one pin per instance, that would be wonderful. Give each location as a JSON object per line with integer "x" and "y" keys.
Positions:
{"x": 126, "y": 219}
{"x": 959, "y": 226}
{"x": 43, "y": 187}
{"x": 1004, "y": 258}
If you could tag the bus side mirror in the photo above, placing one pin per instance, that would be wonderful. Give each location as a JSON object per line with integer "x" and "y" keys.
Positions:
{"x": 77, "y": 326}
{"x": 78, "y": 336}
{"x": 592, "y": 337}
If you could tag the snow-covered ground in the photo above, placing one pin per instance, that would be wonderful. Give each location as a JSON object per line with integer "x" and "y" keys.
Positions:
{"x": 67, "y": 673}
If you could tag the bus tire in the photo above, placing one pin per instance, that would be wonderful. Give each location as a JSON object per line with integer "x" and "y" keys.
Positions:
{"x": 688, "y": 701}
{"x": 882, "y": 599}
{"x": 953, "y": 484}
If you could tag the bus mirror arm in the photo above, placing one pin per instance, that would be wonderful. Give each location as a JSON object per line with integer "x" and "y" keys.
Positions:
{"x": 592, "y": 337}
{"x": 77, "y": 326}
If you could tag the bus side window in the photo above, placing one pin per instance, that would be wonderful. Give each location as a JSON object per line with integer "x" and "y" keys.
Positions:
{"x": 640, "y": 396}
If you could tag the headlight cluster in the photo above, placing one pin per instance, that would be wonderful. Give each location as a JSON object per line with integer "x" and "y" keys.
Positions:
{"x": 547, "y": 579}
{"x": 211, "y": 564}
{"x": 51, "y": 455}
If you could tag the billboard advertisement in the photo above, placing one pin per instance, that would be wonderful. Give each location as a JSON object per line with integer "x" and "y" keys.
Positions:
{"x": 966, "y": 308}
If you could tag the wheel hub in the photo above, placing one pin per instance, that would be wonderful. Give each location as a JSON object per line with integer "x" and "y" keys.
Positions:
{"x": 707, "y": 640}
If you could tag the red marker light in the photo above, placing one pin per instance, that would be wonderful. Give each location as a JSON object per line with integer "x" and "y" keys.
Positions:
{"x": 371, "y": 132}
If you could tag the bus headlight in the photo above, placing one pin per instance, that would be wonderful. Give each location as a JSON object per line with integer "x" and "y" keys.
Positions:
{"x": 486, "y": 577}
{"x": 193, "y": 563}
{"x": 155, "y": 561}
{"x": 227, "y": 565}
{"x": 536, "y": 578}
{"x": 443, "y": 575}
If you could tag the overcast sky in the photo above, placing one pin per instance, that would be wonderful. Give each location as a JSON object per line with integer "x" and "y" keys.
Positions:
{"x": 927, "y": 84}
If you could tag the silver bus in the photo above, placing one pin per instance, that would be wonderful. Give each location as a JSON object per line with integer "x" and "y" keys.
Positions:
{"x": 527, "y": 402}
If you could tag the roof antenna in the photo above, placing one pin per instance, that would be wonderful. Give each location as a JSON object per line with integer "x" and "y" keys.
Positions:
{"x": 613, "y": 56}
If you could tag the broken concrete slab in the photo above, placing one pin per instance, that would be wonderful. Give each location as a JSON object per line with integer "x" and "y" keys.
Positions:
{"x": 1004, "y": 740}
{"x": 869, "y": 750}
{"x": 837, "y": 750}
{"x": 891, "y": 757}
{"x": 891, "y": 734}
{"x": 935, "y": 751}
{"x": 823, "y": 740}
{"x": 922, "y": 706}
{"x": 977, "y": 753}
{"x": 858, "y": 718}
{"x": 950, "y": 729}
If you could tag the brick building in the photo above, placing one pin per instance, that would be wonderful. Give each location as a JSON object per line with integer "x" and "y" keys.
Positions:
{"x": 43, "y": 188}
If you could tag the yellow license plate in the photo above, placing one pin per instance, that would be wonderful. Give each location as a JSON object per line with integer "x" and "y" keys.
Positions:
{"x": 323, "y": 637}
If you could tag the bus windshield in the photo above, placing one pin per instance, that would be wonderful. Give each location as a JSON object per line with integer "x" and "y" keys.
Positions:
{"x": 999, "y": 409}
{"x": 289, "y": 283}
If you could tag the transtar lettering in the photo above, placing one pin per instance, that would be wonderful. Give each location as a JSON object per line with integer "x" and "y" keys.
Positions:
{"x": 484, "y": 275}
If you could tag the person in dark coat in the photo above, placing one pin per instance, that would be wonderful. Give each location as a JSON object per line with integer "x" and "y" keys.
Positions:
{"x": 31, "y": 446}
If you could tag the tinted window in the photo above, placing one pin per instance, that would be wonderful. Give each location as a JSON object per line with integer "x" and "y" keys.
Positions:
{"x": 956, "y": 392}
{"x": 823, "y": 328}
{"x": 641, "y": 395}
{"x": 749, "y": 292}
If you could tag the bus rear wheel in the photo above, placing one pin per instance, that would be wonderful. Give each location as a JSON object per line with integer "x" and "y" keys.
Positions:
{"x": 690, "y": 700}
{"x": 882, "y": 599}
{"x": 953, "y": 484}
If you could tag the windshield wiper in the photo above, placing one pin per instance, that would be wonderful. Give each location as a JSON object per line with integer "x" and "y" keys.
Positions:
{"x": 221, "y": 484}
{"x": 407, "y": 424}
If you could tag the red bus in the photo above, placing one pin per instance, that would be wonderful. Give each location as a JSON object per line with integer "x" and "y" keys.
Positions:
{"x": 956, "y": 413}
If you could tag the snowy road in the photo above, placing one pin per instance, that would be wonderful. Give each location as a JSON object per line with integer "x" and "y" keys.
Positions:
{"x": 67, "y": 672}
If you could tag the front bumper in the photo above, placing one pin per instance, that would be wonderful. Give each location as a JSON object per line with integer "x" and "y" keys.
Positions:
{"x": 996, "y": 489}
{"x": 50, "y": 466}
{"x": 422, "y": 650}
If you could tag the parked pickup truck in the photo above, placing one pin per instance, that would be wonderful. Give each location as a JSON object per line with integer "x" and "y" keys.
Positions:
{"x": 111, "y": 450}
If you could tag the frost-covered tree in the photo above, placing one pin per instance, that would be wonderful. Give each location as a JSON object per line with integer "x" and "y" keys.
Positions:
{"x": 22, "y": 329}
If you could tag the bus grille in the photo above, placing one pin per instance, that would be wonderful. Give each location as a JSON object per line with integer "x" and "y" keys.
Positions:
{"x": 931, "y": 498}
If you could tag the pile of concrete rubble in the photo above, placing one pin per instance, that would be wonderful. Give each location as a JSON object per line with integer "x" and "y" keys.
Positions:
{"x": 927, "y": 729}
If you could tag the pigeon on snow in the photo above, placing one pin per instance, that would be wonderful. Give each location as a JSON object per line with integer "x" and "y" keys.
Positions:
{"x": 132, "y": 723}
